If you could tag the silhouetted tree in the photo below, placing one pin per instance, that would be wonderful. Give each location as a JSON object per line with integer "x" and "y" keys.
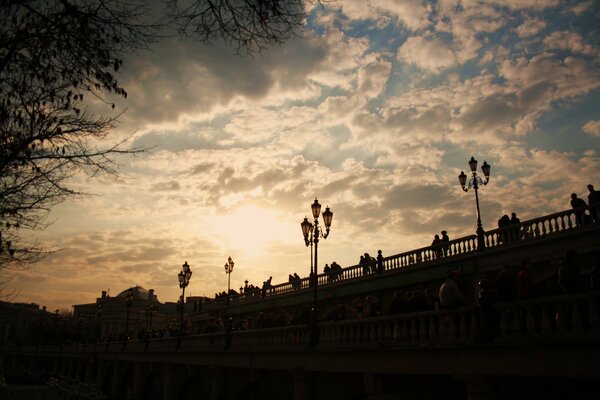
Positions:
{"x": 54, "y": 56}
{"x": 58, "y": 65}
{"x": 251, "y": 25}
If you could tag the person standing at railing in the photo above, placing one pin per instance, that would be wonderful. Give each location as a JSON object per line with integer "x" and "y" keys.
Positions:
{"x": 445, "y": 243}
{"x": 436, "y": 246}
{"x": 516, "y": 229}
{"x": 579, "y": 205}
{"x": 569, "y": 276}
{"x": 594, "y": 203}
{"x": 503, "y": 224}
{"x": 379, "y": 262}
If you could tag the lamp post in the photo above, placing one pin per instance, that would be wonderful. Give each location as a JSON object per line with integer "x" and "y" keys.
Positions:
{"x": 474, "y": 183}
{"x": 311, "y": 234}
{"x": 228, "y": 271}
{"x": 184, "y": 279}
{"x": 128, "y": 302}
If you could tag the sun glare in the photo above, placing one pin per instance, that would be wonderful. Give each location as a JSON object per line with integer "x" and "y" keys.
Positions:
{"x": 249, "y": 229}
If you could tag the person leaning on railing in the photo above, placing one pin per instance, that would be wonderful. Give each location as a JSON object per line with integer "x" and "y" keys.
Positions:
{"x": 579, "y": 206}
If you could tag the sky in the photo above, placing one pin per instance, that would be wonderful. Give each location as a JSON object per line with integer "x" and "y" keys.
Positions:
{"x": 375, "y": 109}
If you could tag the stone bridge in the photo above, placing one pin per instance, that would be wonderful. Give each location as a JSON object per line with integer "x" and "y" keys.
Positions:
{"x": 546, "y": 347}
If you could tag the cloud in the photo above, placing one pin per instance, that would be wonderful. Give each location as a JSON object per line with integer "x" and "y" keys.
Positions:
{"x": 411, "y": 14}
{"x": 571, "y": 41}
{"x": 429, "y": 53}
{"x": 530, "y": 27}
{"x": 592, "y": 128}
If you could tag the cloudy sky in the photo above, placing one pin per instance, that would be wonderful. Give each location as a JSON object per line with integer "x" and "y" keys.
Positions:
{"x": 375, "y": 110}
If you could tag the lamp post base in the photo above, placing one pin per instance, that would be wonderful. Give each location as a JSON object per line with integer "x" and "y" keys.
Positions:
{"x": 480, "y": 239}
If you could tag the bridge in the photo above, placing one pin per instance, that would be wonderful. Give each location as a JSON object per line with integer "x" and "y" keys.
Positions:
{"x": 545, "y": 346}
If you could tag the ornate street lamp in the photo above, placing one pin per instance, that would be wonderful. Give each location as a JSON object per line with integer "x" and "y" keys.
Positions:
{"x": 184, "y": 279}
{"x": 311, "y": 234}
{"x": 474, "y": 183}
{"x": 228, "y": 271}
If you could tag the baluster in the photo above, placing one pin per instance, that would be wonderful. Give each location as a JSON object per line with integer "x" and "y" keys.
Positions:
{"x": 530, "y": 320}
{"x": 444, "y": 331}
{"x": 423, "y": 331}
{"x": 463, "y": 330}
{"x": 474, "y": 325}
{"x": 414, "y": 329}
{"x": 359, "y": 332}
{"x": 594, "y": 318}
{"x": 516, "y": 322}
{"x": 388, "y": 330}
{"x": 576, "y": 321}
{"x": 405, "y": 329}
{"x": 561, "y": 317}
{"x": 546, "y": 319}
{"x": 570, "y": 220}
{"x": 551, "y": 225}
{"x": 432, "y": 330}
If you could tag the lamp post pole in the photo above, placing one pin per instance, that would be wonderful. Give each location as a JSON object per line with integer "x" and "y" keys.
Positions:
{"x": 311, "y": 234}
{"x": 474, "y": 182}
{"x": 228, "y": 270}
{"x": 128, "y": 302}
{"x": 184, "y": 279}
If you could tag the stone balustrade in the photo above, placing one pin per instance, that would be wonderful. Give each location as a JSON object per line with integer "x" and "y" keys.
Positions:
{"x": 533, "y": 229}
{"x": 553, "y": 318}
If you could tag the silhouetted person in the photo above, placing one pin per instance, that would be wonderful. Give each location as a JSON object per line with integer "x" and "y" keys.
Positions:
{"x": 579, "y": 205}
{"x": 516, "y": 230}
{"x": 436, "y": 246}
{"x": 569, "y": 278}
{"x": 524, "y": 282}
{"x": 379, "y": 262}
{"x": 398, "y": 304}
{"x": 370, "y": 262}
{"x": 445, "y": 243}
{"x": 503, "y": 224}
{"x": 450, "y": 296}
{"x": 594, "y": 203}
{"x": 365, "y": 267}
{"x": 506, "y": 285}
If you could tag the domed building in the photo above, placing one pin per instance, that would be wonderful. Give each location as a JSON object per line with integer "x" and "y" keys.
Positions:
{"x": 133, "y": 310}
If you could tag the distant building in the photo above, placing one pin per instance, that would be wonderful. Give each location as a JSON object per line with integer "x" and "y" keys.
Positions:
{"x": 23, "y": 323}
{"x": 107, "y": 316}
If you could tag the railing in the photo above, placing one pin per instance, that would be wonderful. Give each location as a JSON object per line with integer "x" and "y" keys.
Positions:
{"x": 546, "y": 320}
{"x": 534, "y": 229}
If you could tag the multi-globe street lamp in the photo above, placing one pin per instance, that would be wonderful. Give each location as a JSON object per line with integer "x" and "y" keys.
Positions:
{"x": 311, "y": 234}
{"x": 184, "y": 279}
{"x": 474, "y": 183}
{"x": 228, "y": 271}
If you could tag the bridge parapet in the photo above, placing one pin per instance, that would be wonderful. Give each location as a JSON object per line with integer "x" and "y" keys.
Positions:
{"x": 533, "y": 230}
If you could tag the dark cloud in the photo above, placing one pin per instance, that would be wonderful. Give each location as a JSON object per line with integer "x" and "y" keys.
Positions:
{"x": 166, "y": 186}
{"x": 184, "y": 77}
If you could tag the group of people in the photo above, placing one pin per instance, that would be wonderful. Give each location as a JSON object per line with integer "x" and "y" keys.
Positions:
{"x": 577, "y": 203}
{"x": 441, "y": 248}
{"x": 295, "y": 280}
{"x": 333, "y": 272}
{"x": 509, "y": 228}
{"x": 371, "y": 265}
